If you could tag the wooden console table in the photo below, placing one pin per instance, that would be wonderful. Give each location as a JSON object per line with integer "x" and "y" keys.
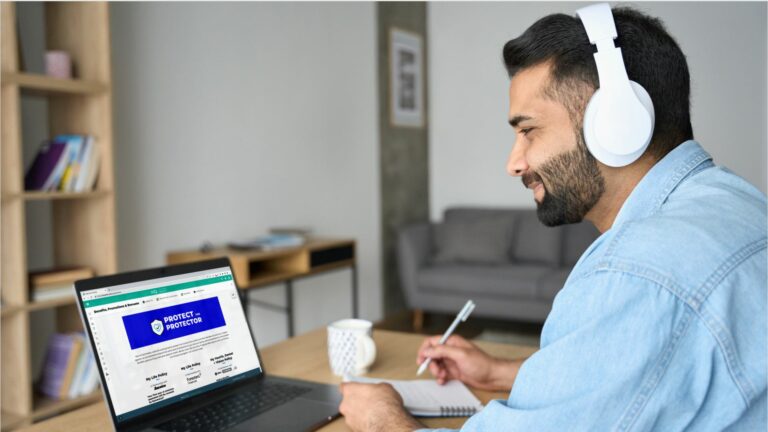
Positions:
{"x": 256, "y": 269}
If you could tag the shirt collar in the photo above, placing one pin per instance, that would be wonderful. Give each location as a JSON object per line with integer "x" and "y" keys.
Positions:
{"x": 659, "y": 182}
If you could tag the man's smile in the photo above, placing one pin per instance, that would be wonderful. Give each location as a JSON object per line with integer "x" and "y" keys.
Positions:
{"x": 534, "y": 183}
{"x": 538, "y": 191}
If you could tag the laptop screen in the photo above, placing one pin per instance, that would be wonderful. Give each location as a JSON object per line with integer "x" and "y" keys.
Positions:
{"x": 163, "y": 340}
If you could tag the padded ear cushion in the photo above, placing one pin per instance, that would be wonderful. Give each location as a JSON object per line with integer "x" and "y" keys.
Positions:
{"x": 598, "y": 150}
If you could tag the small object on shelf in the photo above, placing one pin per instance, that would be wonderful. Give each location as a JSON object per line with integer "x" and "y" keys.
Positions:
{"x": 55, "y": 284}
{"x": 58, "y": 64}
{"x": 268, "y": 242}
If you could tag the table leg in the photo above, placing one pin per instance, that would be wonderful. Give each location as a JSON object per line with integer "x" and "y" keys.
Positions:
{"x": 289, "y": 305}
{"x": 354, "y": 290}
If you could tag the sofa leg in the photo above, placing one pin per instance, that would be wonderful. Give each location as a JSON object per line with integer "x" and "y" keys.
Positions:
{"x": 418, "y": 320}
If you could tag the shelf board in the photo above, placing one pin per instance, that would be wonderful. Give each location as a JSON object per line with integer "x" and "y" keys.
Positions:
{"x": 46, "y": 407}
{"x": 11, "y": 420}
{"x": 37, "y": 83}
{"x": 37, "y": 305}
{"x": 43, "y": 196}
{"x": 331, "y": 266}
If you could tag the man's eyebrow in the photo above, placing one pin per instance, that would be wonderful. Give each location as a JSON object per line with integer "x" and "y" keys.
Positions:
{"x": 514, "y": 121}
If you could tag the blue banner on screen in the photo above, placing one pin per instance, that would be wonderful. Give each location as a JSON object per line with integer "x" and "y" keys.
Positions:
{"x": 160, "y": 325}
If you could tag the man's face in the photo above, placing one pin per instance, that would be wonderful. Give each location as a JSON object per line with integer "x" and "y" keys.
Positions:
{"x": 549, "y": 152}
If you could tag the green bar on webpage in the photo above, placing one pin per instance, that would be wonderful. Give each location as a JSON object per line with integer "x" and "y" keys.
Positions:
{"x": 155, "y": 291}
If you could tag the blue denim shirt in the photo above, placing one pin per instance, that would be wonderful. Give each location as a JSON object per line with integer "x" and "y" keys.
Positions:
{"x": 662, "y": 323}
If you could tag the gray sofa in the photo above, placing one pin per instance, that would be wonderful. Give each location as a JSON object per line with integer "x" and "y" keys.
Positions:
{"x": 505, "y": 260}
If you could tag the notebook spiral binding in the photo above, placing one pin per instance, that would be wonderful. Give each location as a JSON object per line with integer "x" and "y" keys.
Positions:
{"x": 457, "y": 411}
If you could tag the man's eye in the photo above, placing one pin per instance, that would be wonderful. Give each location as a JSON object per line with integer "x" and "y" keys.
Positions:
{"x": 525, "y": 131}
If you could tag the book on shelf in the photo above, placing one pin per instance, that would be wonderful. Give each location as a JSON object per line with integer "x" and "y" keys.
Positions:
{"x": 67, "y": 163}
{"x": 89, "y": 166}
{"x": 50, "y": 159}
{"x": 55, "y": 284}
{"x": 69, "y": 370}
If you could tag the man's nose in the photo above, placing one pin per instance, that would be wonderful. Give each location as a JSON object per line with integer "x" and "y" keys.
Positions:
{"x": 516, "y": 164}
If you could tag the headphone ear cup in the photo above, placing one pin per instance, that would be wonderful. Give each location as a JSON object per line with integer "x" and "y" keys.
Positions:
{"x": 645, "y": 99}
{"x": 591, "y": 125}
{"x": 589, "y": 128}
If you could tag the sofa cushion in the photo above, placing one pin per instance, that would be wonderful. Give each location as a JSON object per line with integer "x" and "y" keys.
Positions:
{"x": 483, "y": 241}
{"x": 577, "y": 239}
{"x": 517, "y": 281}
{"x": 551, "y": 283}
{"x": 534, "y": 242}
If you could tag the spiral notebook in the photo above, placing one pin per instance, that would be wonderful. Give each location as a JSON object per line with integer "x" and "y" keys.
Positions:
{"x": 427, "y": 398}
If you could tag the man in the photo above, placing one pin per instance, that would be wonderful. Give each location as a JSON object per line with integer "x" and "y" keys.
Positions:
{"x": 662, "y": 323}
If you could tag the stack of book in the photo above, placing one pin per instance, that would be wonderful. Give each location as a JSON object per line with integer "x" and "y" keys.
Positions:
{"x": 269, "y": 242}
{"x": 303, "y": 232}
{"x": 70, "y": 369}
{"x": 56, "y": 284}
{"x": 67, "y": 163}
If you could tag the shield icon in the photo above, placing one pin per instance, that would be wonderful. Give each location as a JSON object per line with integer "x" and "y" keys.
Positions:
{"x": 157, "y": 327}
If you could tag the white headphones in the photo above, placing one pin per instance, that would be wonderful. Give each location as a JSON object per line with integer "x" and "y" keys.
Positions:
{"x": 618, "y": 122}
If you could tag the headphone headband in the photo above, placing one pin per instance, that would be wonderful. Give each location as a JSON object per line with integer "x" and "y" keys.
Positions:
{"x": 598, "y": 22}
{"x": 618, "y": 123}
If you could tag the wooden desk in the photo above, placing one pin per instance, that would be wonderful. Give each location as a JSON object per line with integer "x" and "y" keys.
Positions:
{"x": 306, "y": 357}
{"x": 256, "y": 269}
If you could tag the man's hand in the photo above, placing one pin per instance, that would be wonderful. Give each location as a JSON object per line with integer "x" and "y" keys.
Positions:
{"x": 374, "y": 408}
{"x": 462, "y": 360}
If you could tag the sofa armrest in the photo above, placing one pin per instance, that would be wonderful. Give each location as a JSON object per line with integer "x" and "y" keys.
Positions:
{"x": 414, "y": 249}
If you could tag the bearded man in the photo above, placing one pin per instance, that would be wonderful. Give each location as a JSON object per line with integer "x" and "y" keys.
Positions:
{"x": 662, "y": 323}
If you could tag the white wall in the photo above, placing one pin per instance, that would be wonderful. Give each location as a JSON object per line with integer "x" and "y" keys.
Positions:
{"x": 725, "y": 44}
{"x": 232, "y": 118}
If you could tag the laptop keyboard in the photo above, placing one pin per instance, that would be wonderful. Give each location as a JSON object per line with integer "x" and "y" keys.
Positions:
{"x": 235, "y": 409}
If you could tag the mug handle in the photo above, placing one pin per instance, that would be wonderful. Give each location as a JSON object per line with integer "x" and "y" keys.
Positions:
{"x": 367, "y": 354}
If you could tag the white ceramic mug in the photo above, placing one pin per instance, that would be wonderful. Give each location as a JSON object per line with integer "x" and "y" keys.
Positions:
{"x": 351, "y": 349}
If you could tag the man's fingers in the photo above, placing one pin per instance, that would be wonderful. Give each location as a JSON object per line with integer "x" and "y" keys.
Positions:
{"x": 434, "y": 368}
{"x": 428, "y": 342}
{"x": 444, "y": 351}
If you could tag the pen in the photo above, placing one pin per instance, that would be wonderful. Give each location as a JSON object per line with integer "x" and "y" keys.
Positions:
{"x": 462, "y": 316}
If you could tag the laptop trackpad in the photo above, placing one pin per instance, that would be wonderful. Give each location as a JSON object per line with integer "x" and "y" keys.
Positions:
{"x": 297, "y": 415}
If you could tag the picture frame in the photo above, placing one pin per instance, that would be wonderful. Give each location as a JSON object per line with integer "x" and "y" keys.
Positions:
{"x": 406, "y": 78}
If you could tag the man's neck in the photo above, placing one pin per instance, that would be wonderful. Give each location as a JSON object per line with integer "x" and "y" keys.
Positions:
{"x": 619, "y": 184}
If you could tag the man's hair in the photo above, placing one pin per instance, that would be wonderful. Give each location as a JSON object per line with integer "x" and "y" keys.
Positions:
{"x": 651, "y": 56}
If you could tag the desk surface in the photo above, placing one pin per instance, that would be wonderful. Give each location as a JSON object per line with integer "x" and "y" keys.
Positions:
{"x": 305, "y": 357}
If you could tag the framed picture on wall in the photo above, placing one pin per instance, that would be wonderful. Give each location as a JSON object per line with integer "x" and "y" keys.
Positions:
{"x": 406, "y": 79}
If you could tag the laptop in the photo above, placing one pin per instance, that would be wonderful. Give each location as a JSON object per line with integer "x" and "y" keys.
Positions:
{"x": 175, "y": 352}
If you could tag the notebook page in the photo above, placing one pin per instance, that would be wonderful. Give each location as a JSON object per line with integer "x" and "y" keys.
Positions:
{"x": 428, "y": 398}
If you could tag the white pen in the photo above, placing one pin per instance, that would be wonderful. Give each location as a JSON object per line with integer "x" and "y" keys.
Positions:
{"x": 462, "y": 316}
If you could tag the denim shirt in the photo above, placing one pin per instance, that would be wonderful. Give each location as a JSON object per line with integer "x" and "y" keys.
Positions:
{"x": 661, "y": 325}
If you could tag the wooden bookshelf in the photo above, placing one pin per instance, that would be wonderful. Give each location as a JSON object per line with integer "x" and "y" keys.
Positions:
{"x": 83, "y": 223}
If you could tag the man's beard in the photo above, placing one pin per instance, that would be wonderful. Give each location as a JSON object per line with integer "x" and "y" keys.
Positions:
{"x": 575, "y": 186}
